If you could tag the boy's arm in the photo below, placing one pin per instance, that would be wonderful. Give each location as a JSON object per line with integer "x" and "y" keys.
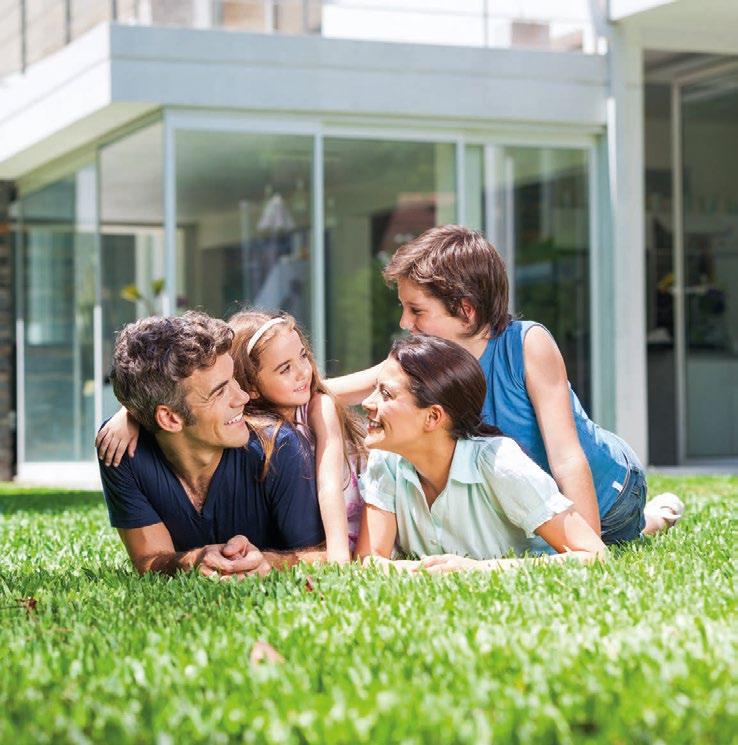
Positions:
{"x": 353, "y": 388}
{"x": 329, "y": 467}
{"x": 548, "y": 389}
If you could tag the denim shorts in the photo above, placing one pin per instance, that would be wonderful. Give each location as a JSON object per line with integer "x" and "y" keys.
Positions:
{"x": 624, "y": 521}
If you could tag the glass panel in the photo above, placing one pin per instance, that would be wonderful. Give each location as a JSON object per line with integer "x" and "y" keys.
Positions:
{"x": 58, "y": 260}
{"x": 550, "y": 231}
{"x": 132, "y": 237}
{"x": 662, "y": 411}
{"x": 474, "y": 188}
{"x": 244, "y": 221}
{"x": 369, "y": 212}
{"x": 710, "y": 165}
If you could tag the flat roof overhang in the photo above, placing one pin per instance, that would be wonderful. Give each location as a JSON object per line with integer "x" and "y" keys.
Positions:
{"x": 116, "y": 74}
{"x": 699, "y": 26}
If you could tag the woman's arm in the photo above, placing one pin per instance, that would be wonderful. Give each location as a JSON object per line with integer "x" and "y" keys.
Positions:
{"x": 118, "y": 435}
{"x": 567, "y": 532}
{"x": 329, "y": 463}
{"x": 548, "y": 389}
{"x": 377, "y": 533}
{"x": 352, "y": 389}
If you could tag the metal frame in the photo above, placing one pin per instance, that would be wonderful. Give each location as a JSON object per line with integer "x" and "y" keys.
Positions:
{"x": 459, "y": 134}
{"x": 677, "y": 200}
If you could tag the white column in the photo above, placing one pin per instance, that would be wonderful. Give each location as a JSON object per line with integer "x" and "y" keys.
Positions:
{"x": 625, "y": 129}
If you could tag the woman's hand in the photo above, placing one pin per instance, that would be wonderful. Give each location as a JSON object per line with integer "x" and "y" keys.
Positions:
{"x": 447, "y": 563}
{"x": 387, "y": 565}
{"x": 118, "y": 435}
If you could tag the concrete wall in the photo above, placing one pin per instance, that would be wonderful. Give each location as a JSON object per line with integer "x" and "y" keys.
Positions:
{"x": 7, "y": 380}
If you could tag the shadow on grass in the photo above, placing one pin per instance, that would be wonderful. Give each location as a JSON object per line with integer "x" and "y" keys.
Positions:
{"x": 46, "y": 501}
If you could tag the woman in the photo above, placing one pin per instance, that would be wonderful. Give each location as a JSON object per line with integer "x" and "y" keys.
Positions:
{"x": 442, "y": 484}
{"x": 452, "y": 283}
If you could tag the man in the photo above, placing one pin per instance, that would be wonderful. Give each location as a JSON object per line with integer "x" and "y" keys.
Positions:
{"x": 192, "y": 497}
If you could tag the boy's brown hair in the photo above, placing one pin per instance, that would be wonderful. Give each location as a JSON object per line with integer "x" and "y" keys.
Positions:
{"x": 452, "y": 263}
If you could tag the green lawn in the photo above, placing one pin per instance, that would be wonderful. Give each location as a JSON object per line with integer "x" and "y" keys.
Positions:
{"x": 640, "y": 650}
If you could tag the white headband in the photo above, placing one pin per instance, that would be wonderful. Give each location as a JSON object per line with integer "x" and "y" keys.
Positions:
{"x": 261, "y": 331}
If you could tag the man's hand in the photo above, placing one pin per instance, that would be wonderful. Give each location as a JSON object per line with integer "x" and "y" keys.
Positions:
{"x": 239, "y": 557}
{"x": 245, "y": 558}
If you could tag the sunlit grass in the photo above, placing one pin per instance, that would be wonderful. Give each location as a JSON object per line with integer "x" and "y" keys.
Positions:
{"x": 642, "y": 649}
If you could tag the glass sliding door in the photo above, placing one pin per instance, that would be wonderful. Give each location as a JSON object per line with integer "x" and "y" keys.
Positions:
{"x": 533, "y": 204}
{"x": 244, "y": 221}
{"x": 378, "y": 195}
{"x": 57, "y": 261}
{"x": 131, "y": 237}
{"x": 709, "y": 243}
{"x": 551, "y": 264}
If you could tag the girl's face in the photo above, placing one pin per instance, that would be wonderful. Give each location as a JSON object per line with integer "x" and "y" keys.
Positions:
{"x": 424, "y": 314}
{"x": 395, "y": 420}
{"x": 285, "y": 372}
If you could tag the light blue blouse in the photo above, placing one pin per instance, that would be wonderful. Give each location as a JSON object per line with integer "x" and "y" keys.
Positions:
{"x": 495, "y": 498}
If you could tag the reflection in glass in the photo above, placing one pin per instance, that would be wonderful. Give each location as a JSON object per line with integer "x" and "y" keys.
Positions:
{"x": 550, "y": 215}
{"x": 132, "y": 237}
{"x": 710, "y": 189}
{"x": 378, "y": 195}
{"x": 475, "y": 217}
{"x": 244, "y": 221}
{"x": 57, "y": 248}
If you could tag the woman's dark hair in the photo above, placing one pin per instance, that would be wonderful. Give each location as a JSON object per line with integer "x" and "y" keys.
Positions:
{"x": 444, "y": 373}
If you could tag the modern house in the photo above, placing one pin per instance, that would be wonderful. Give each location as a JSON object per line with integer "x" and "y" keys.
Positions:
{"x": 158, "y": 155}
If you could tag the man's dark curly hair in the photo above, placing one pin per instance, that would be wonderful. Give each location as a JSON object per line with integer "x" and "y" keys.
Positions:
{"x": 154, "y": 355}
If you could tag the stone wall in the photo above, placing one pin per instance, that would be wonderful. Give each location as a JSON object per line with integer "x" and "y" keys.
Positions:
{"x": 7, "y": 334}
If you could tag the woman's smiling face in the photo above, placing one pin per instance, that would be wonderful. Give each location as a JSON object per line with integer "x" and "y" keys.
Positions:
{"x": 395, "y": 420}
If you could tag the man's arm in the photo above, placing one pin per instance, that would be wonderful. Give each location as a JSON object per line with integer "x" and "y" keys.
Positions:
{"x": 151, "y": 550}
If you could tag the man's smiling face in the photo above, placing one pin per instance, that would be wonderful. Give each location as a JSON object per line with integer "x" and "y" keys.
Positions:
{"x": 216, "y": 402}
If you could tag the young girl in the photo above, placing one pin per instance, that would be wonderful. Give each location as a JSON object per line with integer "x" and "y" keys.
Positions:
{"x": 445, "y": 486}
{"x": 452, "y": 283}
{"x": 274, "y": 365}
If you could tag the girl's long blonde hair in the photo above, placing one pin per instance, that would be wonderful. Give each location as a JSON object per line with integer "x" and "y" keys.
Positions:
{"x": 262, "y": 416}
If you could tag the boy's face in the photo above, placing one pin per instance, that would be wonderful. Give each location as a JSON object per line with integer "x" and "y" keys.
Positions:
{"x": 424, "y": 314}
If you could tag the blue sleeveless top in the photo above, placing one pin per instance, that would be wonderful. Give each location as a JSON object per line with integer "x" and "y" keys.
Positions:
{"x": 508, "y": 407}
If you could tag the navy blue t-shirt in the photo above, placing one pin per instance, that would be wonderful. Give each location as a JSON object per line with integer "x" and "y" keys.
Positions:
{"x": 279, "y": 512}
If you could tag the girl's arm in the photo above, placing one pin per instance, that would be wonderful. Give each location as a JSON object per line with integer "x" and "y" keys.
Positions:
{"x": 352, "y": 389}
{"x": 118, "y": 435}
{"x": 329, "y": 468}
{"x": 548, "y": 389}
{"x": 567, "y": 532}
